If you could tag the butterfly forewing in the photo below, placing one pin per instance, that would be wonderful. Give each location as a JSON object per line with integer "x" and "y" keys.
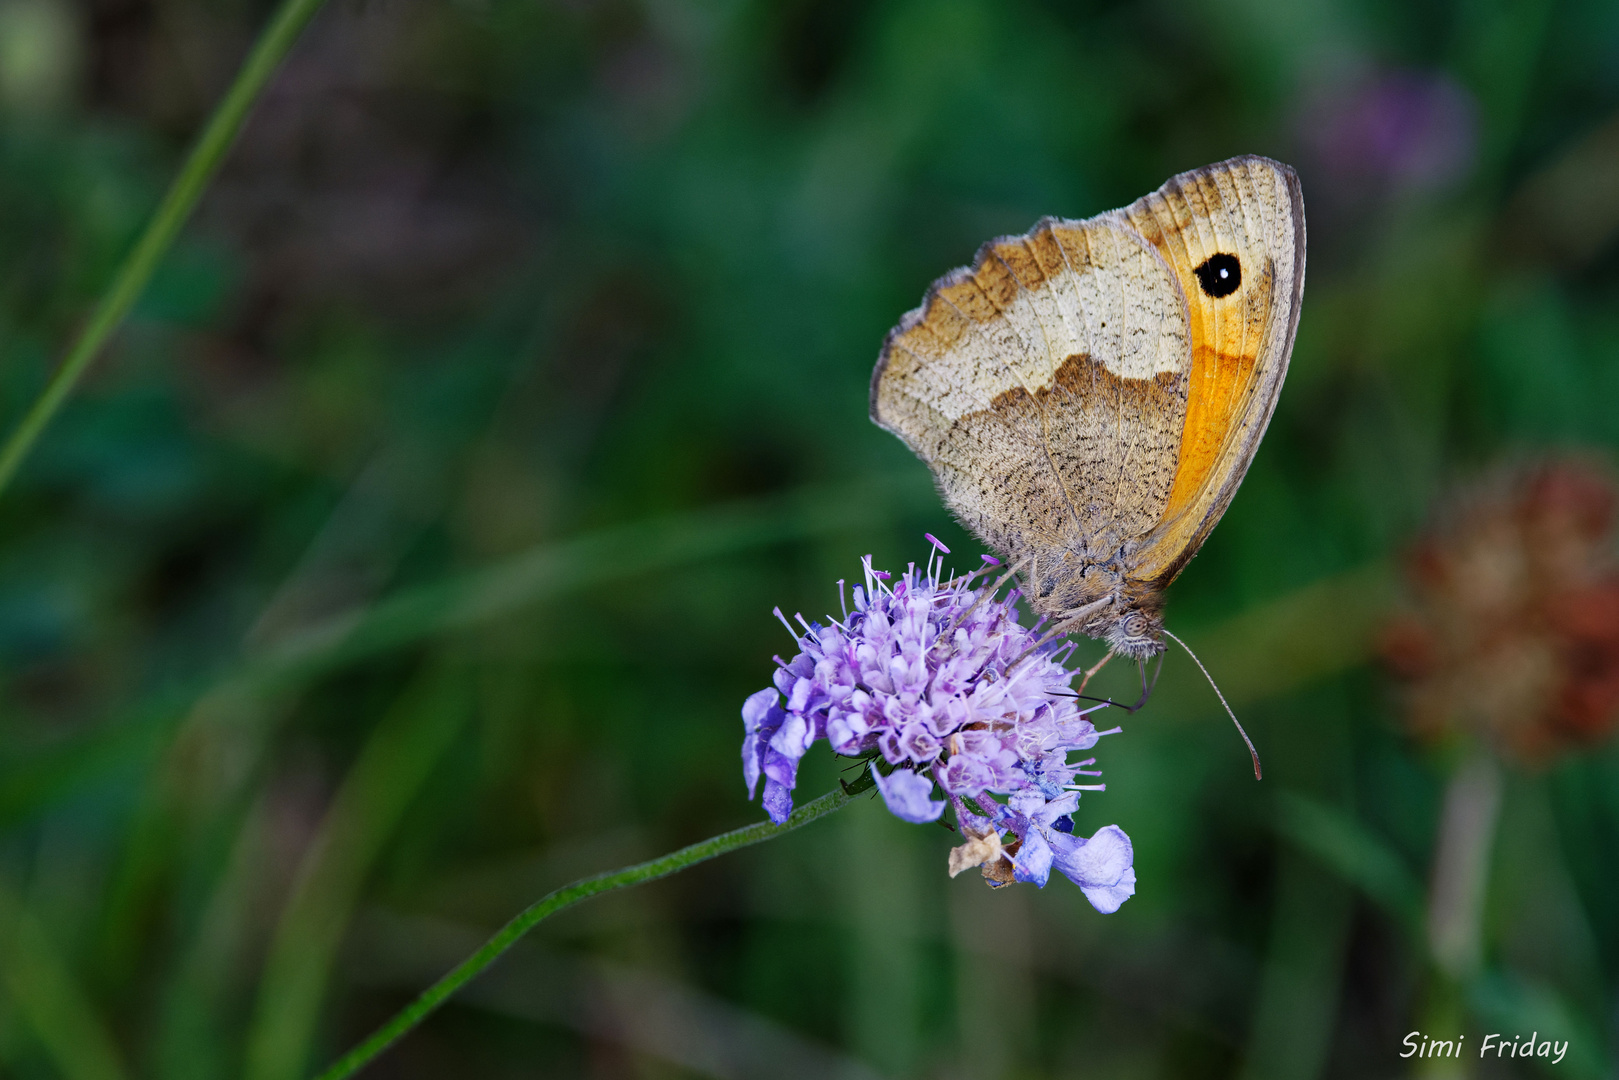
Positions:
{"x": 1250, "y": 208}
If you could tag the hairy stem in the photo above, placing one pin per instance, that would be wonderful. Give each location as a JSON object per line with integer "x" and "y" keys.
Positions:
{"x": 568, "y": 895}
{"x": 178, "y": 203}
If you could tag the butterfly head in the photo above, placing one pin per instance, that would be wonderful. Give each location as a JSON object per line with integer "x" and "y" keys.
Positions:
{"x": 1136, "y": 633}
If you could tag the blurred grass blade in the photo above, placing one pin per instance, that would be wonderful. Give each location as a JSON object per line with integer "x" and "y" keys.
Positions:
{"x": 1516, "y": 1005}
{"x": 192, "y": 787}
{"x": 171, "y": 215}
{"x": 1297, "y": 1004}
{"x": 637, "y": 1008}
{"x": 1461, "y": 864}
{"x": 158, "y": 736}
{"x": 196, "y": 1037}
{"x": 407, "y": 1018}
{"x": 391, "y": 769}
{"x": 1568, "y": 212}
{"x": 1298, "y": 638}
{"x": 1345, "y": 847}
{"x": 39, "y": 777}
{"x": 51, "y": 1000}
{"x": 549, "y": 570}
{"x": 668, "y": 1020}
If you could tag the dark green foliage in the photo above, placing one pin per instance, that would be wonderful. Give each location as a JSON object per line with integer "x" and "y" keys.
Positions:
{"x": 414, "y": 547}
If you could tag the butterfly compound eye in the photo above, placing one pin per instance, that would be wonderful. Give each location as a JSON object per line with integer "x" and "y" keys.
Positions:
{"x": 1220, "y": 275}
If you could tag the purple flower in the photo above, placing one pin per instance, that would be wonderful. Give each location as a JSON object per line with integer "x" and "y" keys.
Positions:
{"x": 1401, "y": 129}
{"x": 934, "y": 681}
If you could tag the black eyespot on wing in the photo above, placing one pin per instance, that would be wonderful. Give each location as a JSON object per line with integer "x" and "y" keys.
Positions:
{"x": 1220, "y": 275}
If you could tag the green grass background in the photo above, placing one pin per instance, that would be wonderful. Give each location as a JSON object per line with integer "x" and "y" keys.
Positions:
{"x": 413, "y": 549}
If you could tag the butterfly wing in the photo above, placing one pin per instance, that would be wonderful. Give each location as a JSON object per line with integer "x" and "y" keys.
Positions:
{"x": 1081, "y": 394}
{"x": 1045, "y": 386}
{"x": 1245, "y": 218}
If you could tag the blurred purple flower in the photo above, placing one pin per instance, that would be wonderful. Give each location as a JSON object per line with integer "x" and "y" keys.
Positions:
{"x": 1404, "y": 129}
{"x": 934, "y": 680}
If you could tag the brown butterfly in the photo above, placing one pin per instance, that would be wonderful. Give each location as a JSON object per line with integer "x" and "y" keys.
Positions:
{"x": 1089, "y": 395}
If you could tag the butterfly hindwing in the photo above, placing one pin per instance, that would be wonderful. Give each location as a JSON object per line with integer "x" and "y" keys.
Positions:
{"x": 1037, "y": 385}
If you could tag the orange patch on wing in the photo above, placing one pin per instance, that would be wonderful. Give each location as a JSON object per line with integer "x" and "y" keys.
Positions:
{"x": 941, "y": 327}
{"x": 1216, "y": 400}
{"x": 996, "y": 281}
{"x": 969, "y": 299}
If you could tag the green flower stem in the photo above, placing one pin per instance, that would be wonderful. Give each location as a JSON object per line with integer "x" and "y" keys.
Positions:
{"x": 568, "y": 895}
{"x": 178, "y": 203}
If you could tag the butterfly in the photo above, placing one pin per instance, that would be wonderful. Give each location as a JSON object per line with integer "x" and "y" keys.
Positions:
{"x": 1090, "y": 394}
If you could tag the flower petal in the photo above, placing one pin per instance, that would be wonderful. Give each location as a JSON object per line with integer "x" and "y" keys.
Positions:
{"x": 906, "y": 794}
{"x": 777, "y": 801}
{"x": 1101, "y": 866}
{"x": 761, "y": 716}
{"x": 1033, "y": 859}
{"x": 1110, "y": 899}
{"x": 760, "y": 712}
{"x": 750, "y": 761}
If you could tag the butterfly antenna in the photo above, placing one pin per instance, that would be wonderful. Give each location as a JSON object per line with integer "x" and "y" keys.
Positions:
{"x": 1252, "y": 752}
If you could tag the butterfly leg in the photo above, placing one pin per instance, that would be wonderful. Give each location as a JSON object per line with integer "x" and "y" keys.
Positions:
{"x": 1091, "y": 671}
{"x": 1146, "y": 688}
{"x": 1075, "y": 619}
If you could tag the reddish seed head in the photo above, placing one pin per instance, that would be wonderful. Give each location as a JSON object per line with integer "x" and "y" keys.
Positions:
{"x": 1513, "y": 629}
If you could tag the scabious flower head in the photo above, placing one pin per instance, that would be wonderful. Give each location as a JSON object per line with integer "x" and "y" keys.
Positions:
{"x": 937, "y": 683}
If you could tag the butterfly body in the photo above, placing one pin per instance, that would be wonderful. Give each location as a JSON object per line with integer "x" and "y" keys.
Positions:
{"x": 1089, "y": 395}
